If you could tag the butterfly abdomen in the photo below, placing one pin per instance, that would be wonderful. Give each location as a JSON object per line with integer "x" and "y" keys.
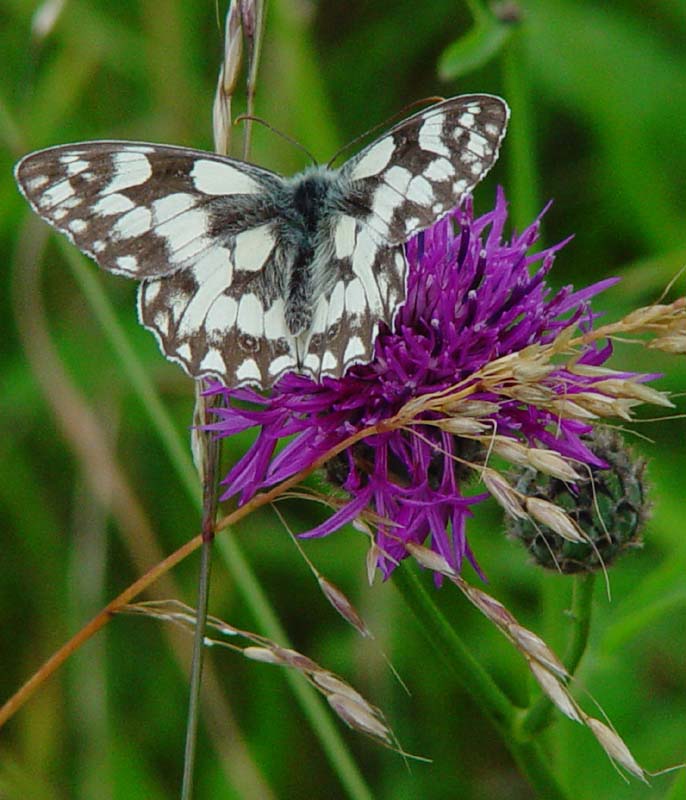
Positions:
{"x": 309, "y": 221}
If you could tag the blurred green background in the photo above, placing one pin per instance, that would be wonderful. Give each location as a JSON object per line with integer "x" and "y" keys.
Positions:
{"x": 90, "y": 495}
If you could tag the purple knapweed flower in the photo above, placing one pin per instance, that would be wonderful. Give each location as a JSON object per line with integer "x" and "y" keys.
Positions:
{"x": 471, "y": 298}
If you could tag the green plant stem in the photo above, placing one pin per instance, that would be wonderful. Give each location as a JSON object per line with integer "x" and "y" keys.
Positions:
{"x": 582, "y": 606}
{"x": 196, "y": 670}
{"x": 478, "y": 683}
{"x": 540, "y": 713}
{"x": 209, "y": 466}
{"x": 314, "y": 710}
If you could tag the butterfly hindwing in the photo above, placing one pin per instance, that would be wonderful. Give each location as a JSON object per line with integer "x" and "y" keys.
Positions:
{"x": 369, "y": 287}
{"x": 232, "y": 329}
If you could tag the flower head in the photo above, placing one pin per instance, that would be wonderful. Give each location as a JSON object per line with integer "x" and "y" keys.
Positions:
{"x": 466, "y": 365}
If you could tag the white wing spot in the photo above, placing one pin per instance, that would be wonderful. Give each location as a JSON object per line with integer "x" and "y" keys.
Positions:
{"x": 77, "y": 226}
{"x": 398, "y": 178}
{"x": 355, "y": 301}
{"x": 476, "y": 144}
{"x": 344, "y": 236}
{"x": 56, "y": 194}
{"x": 282, "y": 364}
{"x": 222, "y": 314}
{"x": 460, "y": 187}
{"x": 176, "y": 303}
{"x": 215, "y": 177}
{"x": 210, "y": 276}
{"x": 374, "y": 160}
{"x": 190, "y": 251}
{"x": 319, "y": 317}
{"x": 98, "y": 246}
{"x": 420, "y": 191}
{"x": 311, "y": 362}
{"x": 130, "y": 168}
{"x": 213, "y": 362}
{"x": 134, "y": 223}
{"x": 184, "y": 234}
{"x": 76, "y": 166}
{"x": 354, "y": 350}
{"x": 275, "y": 321}
{"x": 466, "y": 120}
{"x": 249, "y": 371}
{"x": 440, "y": 169}
{"x": 431, "y": 135}
{"x": 161, "y": 322}
{"x": 329, "y": 362}
{"x": 215, "y": 259}
{"x": 250, "y": 315}
{"x": 171, "y": 205}
{"x": 184, "y": 352}
{"x": 72, "y": 202}
{"x": 336, "y": 304}
{"x": 386, "y": 200}
{"x": 68, "y": 159}
{"x": 152, "y": 289}
{"x": 127, "y": 264}
{"x": 32, "y": 184}
{"x": 363, "y": 260}
{"x": 113, "y": 204}
{"x": 253, "y": 248}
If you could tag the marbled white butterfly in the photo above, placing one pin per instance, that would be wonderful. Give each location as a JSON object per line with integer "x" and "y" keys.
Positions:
{"x": 246, "y": 274}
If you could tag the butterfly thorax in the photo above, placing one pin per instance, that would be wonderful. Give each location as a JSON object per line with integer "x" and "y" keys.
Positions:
{"x": 314, "y": 204}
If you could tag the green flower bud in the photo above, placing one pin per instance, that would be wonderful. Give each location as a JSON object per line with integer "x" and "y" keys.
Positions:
{"x": 610, "y": 508}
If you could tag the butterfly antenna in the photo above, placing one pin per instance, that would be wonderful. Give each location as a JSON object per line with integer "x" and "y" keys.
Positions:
{"x": 385, "y": 124}
{"x": 294, "y": 142}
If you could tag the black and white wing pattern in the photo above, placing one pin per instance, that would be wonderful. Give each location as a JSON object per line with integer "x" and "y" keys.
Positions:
{"x": 247, "y": 275}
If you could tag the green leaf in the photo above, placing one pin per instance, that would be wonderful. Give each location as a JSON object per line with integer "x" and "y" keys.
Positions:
{"x": 475, "y": 49}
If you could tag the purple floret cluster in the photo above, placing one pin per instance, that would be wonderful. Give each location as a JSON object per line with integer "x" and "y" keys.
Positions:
{"x": 473, "y": 295}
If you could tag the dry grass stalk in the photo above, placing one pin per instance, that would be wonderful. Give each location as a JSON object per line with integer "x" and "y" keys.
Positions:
{"x": 348, "y": 703}
{"x": 549, "y": 671}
